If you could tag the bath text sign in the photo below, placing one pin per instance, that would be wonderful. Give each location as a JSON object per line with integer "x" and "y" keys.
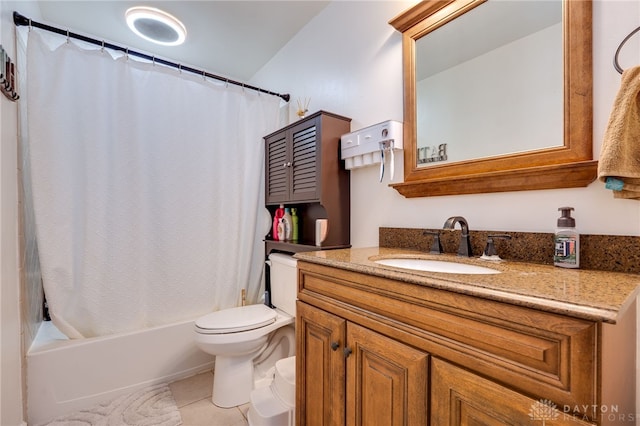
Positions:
{"x": 431, "y": 154}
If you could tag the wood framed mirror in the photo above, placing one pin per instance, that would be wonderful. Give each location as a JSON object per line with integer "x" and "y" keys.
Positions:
{"x": 567, "y": 164}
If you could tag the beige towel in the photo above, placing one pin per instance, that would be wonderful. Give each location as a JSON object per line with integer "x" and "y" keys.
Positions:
{"x": 620, "y": 155}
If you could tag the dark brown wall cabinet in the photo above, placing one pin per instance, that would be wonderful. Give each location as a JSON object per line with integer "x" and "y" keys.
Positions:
{"x": 303, "y": 170}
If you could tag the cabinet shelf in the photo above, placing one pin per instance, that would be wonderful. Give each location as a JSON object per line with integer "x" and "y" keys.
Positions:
{"x": 297, "y": 247}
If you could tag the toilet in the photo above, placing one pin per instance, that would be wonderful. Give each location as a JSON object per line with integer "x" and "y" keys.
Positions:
{"x": 247, "y": 341}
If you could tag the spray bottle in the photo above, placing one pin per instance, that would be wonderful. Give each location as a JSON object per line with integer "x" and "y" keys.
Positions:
{"x": 279, "y": 213}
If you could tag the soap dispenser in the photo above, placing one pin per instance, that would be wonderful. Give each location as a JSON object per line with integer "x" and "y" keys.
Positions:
{"x": 567, "y": 241}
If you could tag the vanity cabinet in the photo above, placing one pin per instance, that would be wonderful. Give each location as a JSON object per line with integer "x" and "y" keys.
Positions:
{"x": 303, "y": 169}
{"x": 375, "y": 350}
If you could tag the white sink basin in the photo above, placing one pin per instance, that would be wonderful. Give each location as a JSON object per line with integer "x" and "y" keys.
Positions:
{"x": 436, "y": 266}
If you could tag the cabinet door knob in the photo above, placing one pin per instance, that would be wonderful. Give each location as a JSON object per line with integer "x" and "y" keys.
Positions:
{"x": 287, "y": 164}
{"x": 335, "y": 346}
{"x": 347, "y": 351}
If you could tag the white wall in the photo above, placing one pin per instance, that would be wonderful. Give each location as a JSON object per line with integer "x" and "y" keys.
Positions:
{"x": 349, "y": 61}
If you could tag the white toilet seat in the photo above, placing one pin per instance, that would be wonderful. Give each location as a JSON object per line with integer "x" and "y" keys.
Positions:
{"x": 236, "y": 320}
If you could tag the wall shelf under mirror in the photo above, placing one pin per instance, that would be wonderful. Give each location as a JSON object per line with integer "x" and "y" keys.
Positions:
{"x": 562, "y": 160}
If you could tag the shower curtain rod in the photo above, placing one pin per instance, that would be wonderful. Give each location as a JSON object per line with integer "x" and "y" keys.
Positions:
{"x": 20, "y": 20}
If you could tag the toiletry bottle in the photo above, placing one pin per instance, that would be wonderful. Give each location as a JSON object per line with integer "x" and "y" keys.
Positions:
{"x": 295, "y": 222}
{"x": 287, "y": 224}
{"x": 567, "y": 241}
{"x": 282, "y": 229}
{"x": 276, "y": 221}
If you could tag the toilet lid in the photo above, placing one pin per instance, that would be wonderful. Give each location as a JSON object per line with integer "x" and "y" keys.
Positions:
{"x": 235, "y": 320}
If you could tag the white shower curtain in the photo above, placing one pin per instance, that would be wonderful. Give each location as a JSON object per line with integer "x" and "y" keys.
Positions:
{"x": 147, "y": 186}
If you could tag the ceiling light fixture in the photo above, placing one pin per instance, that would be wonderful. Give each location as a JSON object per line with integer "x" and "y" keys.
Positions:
{"x": 156, "y": 25}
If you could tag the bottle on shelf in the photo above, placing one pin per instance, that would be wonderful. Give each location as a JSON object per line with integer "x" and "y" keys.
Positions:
{"x": 282, "y": 230}
{"x": 279, "y": 213}
{"x": 287, "y": 224}
{"x": 295, "y": 222}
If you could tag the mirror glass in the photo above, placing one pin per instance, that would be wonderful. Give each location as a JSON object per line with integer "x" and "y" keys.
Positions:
{"x": 497, "y": 96}
{"x": 490, "y": 82}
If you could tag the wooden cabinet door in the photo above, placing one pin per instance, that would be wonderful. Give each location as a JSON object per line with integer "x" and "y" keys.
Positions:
{"x": 292, "y": 165}
{"x": 277, "y": 168}
{"x": 387, "y": 381}
{"x": 320, "y": 367}
{"x": 305, "y": 163}
{"x": 459, "y": 397}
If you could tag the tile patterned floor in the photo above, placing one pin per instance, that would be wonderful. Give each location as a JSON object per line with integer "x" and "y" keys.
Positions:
{"x": 193, "y": 398}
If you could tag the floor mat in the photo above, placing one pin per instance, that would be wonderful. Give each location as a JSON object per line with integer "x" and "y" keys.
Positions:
{"x": 151, "y": 406}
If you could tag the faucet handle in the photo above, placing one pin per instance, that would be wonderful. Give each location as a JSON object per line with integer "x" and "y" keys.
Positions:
{"x": 436, "y": 246}
{"x": 490, "y": 251}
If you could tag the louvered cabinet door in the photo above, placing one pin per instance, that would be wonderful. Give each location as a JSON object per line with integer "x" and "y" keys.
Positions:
{"x": 292, "y": 164}
{"x": 305, "y": 161}
{"x": 277, "y": 168}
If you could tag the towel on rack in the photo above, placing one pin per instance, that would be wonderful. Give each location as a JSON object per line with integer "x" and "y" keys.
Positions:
{"x": 619, "y": 164}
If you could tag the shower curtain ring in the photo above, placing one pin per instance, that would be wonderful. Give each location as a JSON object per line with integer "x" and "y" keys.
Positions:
{"x": 67, "y": 36}
{"x": 204, "y": 76}
{"x": 30, "y": 25}
{"x": 180, "y": 68}
{"x": 153, "y": 60}
{"x": 102, "y": 48}
{"x": 126, "y": 53}
{"x": 226, "y": 83}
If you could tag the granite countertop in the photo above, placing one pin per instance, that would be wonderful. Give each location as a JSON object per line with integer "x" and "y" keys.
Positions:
{"x": 593, "y": 295}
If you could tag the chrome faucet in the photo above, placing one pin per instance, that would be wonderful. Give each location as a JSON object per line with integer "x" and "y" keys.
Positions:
{"x": 465, "y": 244}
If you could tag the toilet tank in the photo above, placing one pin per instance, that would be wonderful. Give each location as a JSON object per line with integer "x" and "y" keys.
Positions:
{"x": 284, "y": 282}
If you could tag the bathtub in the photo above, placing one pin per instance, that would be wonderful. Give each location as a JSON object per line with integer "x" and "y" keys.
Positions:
{"x": 66, "y": 375}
